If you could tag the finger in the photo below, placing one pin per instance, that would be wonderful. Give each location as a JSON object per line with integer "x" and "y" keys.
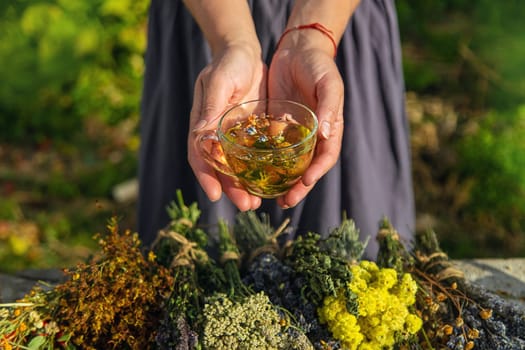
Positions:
{"x": 330, "y": 97}
{"x": 195, "y": 113}
{"x": 216, "y": 98}
{"x": 242, "y": 199}
{"x": 204, "y": 173}
{"x": 211, "y": 98}
{"x": 207, "y": 178}
{"x": 326, "y": 155}
{"x": 296, "y": 194}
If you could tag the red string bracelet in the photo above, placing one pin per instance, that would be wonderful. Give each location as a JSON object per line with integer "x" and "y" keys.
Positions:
{"x": 316, "y": 26}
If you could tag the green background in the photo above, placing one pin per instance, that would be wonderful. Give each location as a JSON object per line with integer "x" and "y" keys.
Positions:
{"x": 71, "y": 73}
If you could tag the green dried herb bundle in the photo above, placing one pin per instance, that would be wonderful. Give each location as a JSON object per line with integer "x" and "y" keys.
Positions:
{"x": 182, "y": 236}
{"x": 344, "y": 242}
{"x": 392, "y": 252}
{"x": 325, "y": 274}
{"x": 181, "y": 248}
{"x": 230, "y": 261}
{"x": 179, "y": 310}
{"x": 255, "y": 235}
{"x": 199, "y": 281}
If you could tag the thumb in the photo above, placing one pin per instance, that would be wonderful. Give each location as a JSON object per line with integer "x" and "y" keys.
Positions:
{"x": 211, "y": 98}
{"x": 329, "y": 105}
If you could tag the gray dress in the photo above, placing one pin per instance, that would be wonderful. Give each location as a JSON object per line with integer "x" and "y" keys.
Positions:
{"x": 372, "y": 177}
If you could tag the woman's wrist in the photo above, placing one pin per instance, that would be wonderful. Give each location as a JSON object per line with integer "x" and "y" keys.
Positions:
{"x": 252, "y": 49}
{"x": 309, "y": 36}
{"x": 322, "y": 23}
{"x": 225, "y": 23}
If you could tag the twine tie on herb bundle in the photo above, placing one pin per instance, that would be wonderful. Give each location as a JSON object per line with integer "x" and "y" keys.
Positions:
{"x": 183, "y": 221}
{"x": 188, "y": 252}
{"x": 272, "y": 246}
{"x": 383, "y": 232}
{"x": 438, "y": 262}
{"x": 229, "y": 255}
{"x": 449, "y": 272}
{"x": 174, "y": 223}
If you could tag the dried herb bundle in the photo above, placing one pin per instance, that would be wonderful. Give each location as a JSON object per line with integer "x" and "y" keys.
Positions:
{"x": 30, "y": 322}
{"x": 230, "y": 261}
{"x": 325, "y": 274}
{"x": 255, "y": 235}
{"x": 113, "y": 301}
{"x": 110, "y": 302}
{"x": 181, "y": 248}
{"x": 392, "y": 252}
{"x": 459, "y": 314}
{"x": 252, "y": 322}
{"x": 344, "y": 242}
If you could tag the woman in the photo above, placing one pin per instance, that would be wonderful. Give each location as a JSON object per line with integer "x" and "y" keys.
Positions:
{"x": 206, "y": 55}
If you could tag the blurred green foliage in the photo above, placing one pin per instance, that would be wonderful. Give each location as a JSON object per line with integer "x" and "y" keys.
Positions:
{"x": 494, "y": 158}
{"x": 67, "y": 60}
{"x": 71, "y": 82}
{"x": 471, "y": 51}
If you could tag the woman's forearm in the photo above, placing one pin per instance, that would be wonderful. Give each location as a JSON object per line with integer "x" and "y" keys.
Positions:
{"x": 224, "y": 23}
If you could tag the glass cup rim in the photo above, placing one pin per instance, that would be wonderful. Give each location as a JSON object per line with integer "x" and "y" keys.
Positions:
{"x": 307, "y": 138}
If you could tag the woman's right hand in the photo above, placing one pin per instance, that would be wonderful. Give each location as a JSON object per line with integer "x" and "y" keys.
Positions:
{"x": 236, "y": 73}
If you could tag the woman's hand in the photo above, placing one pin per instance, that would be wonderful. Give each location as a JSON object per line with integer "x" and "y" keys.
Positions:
{"x": 310, "y": 75}
{"x": 235, "y": 74}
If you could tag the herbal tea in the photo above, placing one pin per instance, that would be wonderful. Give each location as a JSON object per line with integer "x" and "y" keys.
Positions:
{"x": 267, "y": 162}
{"x": 266, "y": 145}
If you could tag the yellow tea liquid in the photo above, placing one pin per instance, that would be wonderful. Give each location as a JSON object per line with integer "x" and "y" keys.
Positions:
{"x": 269, "y": 165}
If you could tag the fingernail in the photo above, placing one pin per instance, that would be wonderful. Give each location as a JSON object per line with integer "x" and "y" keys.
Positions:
{"x": 200, "y": 124}
{"x": 309, "y": 183}
{"x": 325, "y": 129}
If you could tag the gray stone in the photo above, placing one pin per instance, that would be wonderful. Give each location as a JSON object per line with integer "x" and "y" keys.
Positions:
{"x": 14, "y": 286}
{"x": 505, "y": 277}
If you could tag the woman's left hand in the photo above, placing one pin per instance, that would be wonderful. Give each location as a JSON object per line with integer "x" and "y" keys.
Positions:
{"x": 310, "y": 76}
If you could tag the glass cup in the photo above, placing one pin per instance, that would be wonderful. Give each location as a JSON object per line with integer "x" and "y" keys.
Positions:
{"x": 266, "y": 145}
